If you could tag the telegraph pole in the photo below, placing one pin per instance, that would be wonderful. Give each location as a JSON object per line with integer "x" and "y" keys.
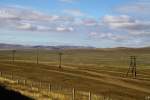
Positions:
{"x": 134, "y": 66}
{"x": 60, "y": 59}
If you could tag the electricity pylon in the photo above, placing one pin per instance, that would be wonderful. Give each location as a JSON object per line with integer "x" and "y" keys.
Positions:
{"x": 132, "y": 67}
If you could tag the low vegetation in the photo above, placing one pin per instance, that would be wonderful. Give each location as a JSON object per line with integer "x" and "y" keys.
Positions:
{"x": 101, "y": 71}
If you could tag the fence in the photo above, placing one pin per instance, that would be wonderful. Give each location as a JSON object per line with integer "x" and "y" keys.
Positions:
{"x": 71, "y": 94}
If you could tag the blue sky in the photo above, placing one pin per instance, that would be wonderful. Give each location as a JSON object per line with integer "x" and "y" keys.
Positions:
{"x": 99, "y": 23}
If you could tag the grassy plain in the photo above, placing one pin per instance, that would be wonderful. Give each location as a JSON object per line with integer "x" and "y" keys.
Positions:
{"x": 101, "y": 71}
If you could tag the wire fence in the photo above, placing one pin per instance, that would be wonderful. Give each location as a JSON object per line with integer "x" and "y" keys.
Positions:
{"x": 48, "y": 88}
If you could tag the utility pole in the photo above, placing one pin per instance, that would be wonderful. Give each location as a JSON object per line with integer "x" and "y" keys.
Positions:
{"x": 132, "y": 67}
{"x": 13, "y": 55}
{"x": 60, "y": 59}
{"x": 131, "y": 63}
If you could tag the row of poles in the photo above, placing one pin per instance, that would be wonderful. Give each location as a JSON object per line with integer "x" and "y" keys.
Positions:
{"x": 37, "y": 58}
{"x": 131, "y": 69}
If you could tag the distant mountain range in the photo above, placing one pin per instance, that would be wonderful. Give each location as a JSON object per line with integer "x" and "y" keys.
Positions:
{"x": 17, "y": 46}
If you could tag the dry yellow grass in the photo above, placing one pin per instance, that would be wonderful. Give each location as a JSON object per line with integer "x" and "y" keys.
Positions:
{"x": 37, "y": 94}
{"x": 100, "y": 71}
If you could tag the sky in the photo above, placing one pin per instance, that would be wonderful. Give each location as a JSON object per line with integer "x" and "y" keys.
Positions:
{"x": 97, "y": 23}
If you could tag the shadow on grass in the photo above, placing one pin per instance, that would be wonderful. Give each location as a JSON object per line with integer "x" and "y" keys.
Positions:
{"x": 6, "y": 94}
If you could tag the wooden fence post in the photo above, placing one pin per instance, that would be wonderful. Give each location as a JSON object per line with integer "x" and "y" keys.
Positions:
{"x": 24, "y": 82}
{"x": 89, "y": 95}
{"x": 73, "y": 94}
{"x": 12, "y": 76}
{"x": 49, "y": 87}
{"x": 17, "y": 81}
{"x": 31, "y": 85}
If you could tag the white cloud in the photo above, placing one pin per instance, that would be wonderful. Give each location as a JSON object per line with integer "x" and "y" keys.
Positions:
{"x": 30, "y": 20}
{"x": 6, "y": 14}
{"x": 124, "y": 22}
{"x": 89, "y": 22}
{"x": 108, "y": 36}
{"x": 140, "y": 33}
{"x": 138, "y": 7}
{"x": 74, "y": 12}
{"x": 24, "y": 14}
{"x": 120, "y": 28}
{"x": 26, "y": 26}
{"x": 93, "y": 34}
{"x": 32, "y": 27}
{"x": 117, "y": 19}
{"x": 64, "y": 29}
